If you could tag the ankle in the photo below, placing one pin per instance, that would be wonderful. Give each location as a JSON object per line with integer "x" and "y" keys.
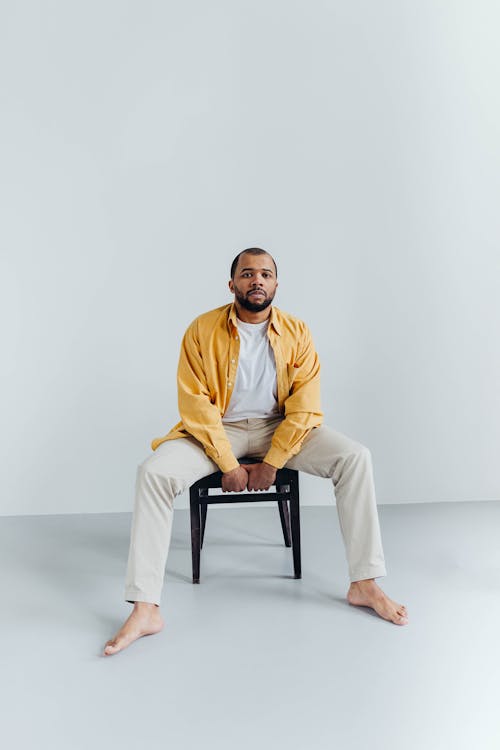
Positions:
{"x": 364, "y": 583}
{"x": 145, "y": 606}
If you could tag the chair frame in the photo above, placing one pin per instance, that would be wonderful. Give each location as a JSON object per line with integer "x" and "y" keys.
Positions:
{"x": 287, "y": 492}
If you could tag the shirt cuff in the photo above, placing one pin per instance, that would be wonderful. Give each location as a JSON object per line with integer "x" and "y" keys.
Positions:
{"x": 227, "y": 462}
{"x": 276, "y": 457}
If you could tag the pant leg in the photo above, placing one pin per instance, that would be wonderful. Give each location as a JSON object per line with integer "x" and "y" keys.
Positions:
{"x": 164, "y": 474}
{"x": 327, "y": 453}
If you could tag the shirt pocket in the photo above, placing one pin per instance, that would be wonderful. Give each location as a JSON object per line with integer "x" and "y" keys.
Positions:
{"x": 291, "y": 371}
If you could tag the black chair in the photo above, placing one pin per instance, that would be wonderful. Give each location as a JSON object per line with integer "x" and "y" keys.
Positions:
{"x": 287, "y": 489}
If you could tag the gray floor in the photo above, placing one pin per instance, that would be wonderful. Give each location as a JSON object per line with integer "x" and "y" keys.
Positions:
{"x": 252, "y": 657}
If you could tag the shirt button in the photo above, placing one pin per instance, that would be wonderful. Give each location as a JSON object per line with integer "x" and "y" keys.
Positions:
{"x": 229, "y": 384}
{"x": 236, "y": 338}
{"x": 233, "y": 361}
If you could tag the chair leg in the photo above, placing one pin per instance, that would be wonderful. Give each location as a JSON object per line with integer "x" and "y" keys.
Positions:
{"x": 195, "y": 538}
{"x": 203, "y": 521}
{"x": 295, "y": 524}
{"x": 285, "y": 521}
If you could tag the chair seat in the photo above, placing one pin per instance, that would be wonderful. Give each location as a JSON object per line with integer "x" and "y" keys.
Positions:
{"x": 286, "y": 493}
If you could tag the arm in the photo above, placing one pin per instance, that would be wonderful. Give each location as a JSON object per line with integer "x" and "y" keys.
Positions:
{"x": 199, "y": 415}
{"x": 302, "y": 407}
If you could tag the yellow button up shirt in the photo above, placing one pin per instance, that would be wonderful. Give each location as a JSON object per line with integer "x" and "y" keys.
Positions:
{"x": 206, "y": 375}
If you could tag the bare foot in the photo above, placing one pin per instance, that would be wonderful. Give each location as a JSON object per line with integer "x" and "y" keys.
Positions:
{"x": 368, "y": 594}
{"x": 144, "y": 620}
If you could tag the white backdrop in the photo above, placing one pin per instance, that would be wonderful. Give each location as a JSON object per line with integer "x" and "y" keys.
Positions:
{"x": 143, "y": 144}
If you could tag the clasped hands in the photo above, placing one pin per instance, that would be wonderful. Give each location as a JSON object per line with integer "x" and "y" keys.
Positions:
{"x": 249, "y": 476}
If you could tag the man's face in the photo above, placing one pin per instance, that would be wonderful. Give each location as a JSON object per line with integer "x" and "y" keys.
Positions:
{"x": 254, "y": 284}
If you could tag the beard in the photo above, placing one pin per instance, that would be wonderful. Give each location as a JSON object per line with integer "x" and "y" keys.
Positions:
{"x": 247, "y": 303}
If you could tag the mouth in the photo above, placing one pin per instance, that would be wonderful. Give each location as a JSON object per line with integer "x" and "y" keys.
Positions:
{"x": 256, "y": 294}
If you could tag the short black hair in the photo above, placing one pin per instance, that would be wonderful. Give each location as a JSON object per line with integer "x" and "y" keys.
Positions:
{"x": 252, "y": 251}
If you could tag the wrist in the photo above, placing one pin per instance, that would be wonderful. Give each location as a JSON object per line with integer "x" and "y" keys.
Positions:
{"x": 269, "y": 467}
{"x": 276, "y": 457}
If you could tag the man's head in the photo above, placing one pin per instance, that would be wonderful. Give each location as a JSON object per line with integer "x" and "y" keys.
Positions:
{"x": 254, "y": 279}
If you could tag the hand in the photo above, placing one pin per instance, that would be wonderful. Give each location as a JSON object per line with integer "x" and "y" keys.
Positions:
{"x": 235, "y": 480}
{"x": 260, "y": 476}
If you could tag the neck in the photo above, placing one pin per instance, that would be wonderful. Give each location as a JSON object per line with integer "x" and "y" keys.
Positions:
{"x": 252, "y": 317}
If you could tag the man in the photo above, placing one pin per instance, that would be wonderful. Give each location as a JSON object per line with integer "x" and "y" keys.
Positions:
{"x": 248, "y": 384}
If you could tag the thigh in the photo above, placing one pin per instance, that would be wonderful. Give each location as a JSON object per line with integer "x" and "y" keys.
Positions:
{"x": 183, "y": 459}
{"x": 186, "y": 459}
{"x": 321, "y": 450}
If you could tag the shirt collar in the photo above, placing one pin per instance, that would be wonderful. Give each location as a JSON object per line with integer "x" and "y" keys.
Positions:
{"x": 273, "y": 318}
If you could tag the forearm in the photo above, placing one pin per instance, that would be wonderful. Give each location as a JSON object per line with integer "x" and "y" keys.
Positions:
{"x": 200, "y": 416}
{"x": 289, "y": 436}
{"x": 202, "y": 420}
{"x": 302, "y": 407}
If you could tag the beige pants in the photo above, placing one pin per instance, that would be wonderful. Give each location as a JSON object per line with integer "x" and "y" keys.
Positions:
{"x": 176, "y": 464}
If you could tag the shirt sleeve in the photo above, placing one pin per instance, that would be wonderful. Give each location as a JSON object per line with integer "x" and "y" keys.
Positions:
{"x": 199, "y": 415}
{"x": 302, "y": 406}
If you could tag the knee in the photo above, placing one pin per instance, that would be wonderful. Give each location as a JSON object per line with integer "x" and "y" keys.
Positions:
{"x": 361, "y": 453}
{"x": 160, "y": 478}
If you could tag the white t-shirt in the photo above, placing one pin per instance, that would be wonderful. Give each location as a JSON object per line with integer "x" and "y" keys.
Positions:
{"x": 255, "y": 392}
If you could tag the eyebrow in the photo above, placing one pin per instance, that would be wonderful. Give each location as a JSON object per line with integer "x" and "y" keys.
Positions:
{"x": 255, "y": 269}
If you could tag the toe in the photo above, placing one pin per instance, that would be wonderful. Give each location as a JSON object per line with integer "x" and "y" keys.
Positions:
{"x": 111, "y": 647}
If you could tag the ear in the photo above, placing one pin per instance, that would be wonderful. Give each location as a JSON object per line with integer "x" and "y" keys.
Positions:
{"x": 231, "y": 285}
